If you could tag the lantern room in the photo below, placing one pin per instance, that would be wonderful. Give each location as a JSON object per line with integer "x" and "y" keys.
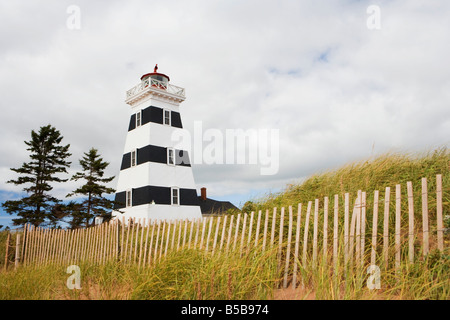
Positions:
{"x": 156, "y": 79}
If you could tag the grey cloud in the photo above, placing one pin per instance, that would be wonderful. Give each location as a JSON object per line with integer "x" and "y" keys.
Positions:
{"x": 244, "y": 65}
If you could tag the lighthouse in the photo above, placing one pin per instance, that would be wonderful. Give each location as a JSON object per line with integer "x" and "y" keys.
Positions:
{"x": 155, "y": 180}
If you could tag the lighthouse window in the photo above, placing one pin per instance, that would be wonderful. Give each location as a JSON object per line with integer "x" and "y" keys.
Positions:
{"x": 129, "y": 198}
{"x": 138, "y": 119}
{"x": 133, "y": 158}
{"x": 167, "y": 117}
{"x": 175, "y": 196}
{"x": 170, "y": 156}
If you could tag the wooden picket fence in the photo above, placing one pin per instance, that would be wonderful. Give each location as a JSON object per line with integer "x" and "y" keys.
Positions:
{"x": 352, "y": 240}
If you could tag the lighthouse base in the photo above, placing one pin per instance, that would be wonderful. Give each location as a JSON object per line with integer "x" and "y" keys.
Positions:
{"x": 154, "y": 212}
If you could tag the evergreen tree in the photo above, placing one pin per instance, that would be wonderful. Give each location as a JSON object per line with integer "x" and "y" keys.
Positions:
{"x": 48, "y": 159}
{"x": 77, "y": 214}
{"x": 95, "y": 204}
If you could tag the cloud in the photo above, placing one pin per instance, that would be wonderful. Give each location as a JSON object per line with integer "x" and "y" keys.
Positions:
{"x": 334, "y": 89}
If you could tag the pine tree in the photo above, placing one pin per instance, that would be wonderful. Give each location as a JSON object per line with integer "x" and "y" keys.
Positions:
{"x": 77, "y": 214}
{"x": 48, "y": 159}
{"x": 95, "y": 204}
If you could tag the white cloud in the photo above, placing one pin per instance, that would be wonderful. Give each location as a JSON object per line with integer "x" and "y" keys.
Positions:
{"x": 314, "y": 71}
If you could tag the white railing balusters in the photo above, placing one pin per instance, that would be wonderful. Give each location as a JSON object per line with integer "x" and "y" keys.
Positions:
{"x": 156, "y": 84}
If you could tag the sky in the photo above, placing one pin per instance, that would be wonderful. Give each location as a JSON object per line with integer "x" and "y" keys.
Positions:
{"x": 339, "y": 81}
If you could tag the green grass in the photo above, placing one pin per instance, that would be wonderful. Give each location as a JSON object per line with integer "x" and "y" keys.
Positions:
{"x": 375, "y": 173}
{"x": 421, "y": 280}
{"x": 11, "y": 251}
{"x": 186, "y": 274}
{"x": 426, "y": 279}
{"x": 193, "y": 274}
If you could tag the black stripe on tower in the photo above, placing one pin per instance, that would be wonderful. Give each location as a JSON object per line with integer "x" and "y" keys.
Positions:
{"x": 160, "y": 195}
{"x": 155, "y": 154}
{"x": 132, "y": 122}
{"x": 155, "y": 115}
{"x": 176, "y": 119}
{"x": 152, "y": 114}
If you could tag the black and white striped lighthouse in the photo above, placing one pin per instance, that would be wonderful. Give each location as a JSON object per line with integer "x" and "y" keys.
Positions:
{"x": 155, "y": 180}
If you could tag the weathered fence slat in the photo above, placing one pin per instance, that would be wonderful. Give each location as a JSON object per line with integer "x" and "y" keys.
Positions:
{"x": 122, "y": 236}
{"x": 243, "y": 233}
{"x": 236, "y": 231}
{"x": 29, "y": 245}
{"x": 297, "y": 245}
{"x": 31, "y": 257}
{"x": 250, "y": 230}
{"x": 98, "y": 243}
{"x": 55, "y": 244}
{"x": 398, "y": 216}
{"x": 27, "y": 242}
{"x": 144, "y": 258}
{"x": 179, "y": 234}
{"x": 315, "y": 230}
{"x": 210, "y": 219}
{"x": 216, "y": 234}
{"x": 325, "y": 229}
{"x": 336, "y": 232}
{"x": 17, "y": 256}
{"x": 151, "y": 243}
{"x": 204, "y": 222}
{"x": 425, "y": 231}
{"x": 174, "y": 231}
{"x": 352, "y": 230}
{"x": 363, "y": 228}
{"x": 190, "y": 233}
{"x": 374, "y": 228}
{"x": 266, "y": 224}
{"x": 125, "y": 245}
{"x": 43, "y": 246}
{"x": 8, "y": 240}
{"x": 136, "y": 239}
{"x": 288, "y": 249}
{"x": 387, "y": 199}
{"x": 168, "y": 237}
{"x": 305, "y": 236}
{"x": 346, "y": 226}
{"x": 272, "y": 236}
{"x": 222, "y": 237}
{"x": 22, "y": 252}
{"x": 258, "y": 225}
{"x": 411, "y": 222}
{"x": 440, "y": 222}
{"x": 230, "y": 229}
{"x": 185, "y": 232}
{"x": 155, "y": 256}
{"x": 130, "y": 242}
{"x": 280, "y": 237}
{"x": 162, "y": 239}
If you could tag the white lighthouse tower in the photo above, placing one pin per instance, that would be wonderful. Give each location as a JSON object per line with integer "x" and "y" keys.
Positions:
{"x": 155, "y": 180}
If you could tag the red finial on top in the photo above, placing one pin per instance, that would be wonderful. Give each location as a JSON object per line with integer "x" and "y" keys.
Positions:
{"x": 155, "y": 74}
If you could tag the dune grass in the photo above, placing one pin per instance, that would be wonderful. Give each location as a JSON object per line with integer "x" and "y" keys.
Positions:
{"x": 375, "y": 173}
{"x": 425, "y": 279}
{"x": 193, "y": 274}
{"x": 186, "y": 275}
